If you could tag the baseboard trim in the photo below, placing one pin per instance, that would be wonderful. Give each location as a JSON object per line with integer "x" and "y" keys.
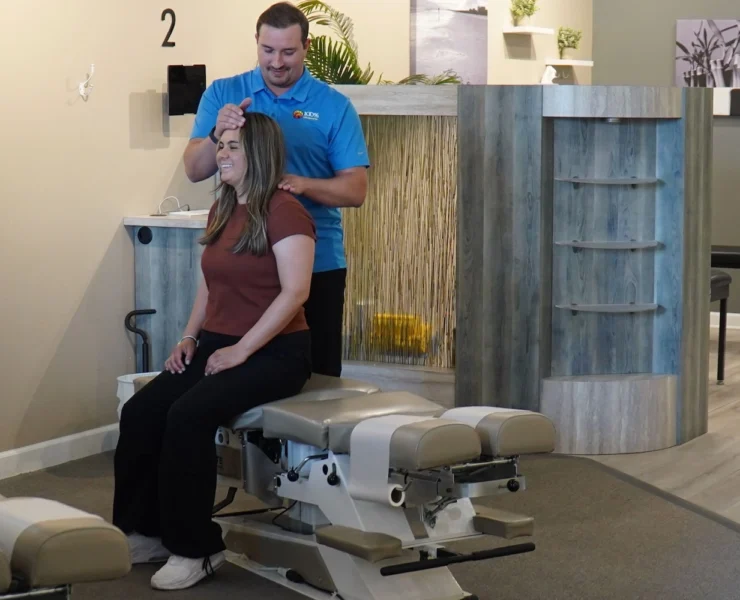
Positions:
{"x": 733, "y": 320}
{"x": 58, "y": 451}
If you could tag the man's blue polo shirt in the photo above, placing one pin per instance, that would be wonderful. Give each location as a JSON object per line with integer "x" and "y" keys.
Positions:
{"x": 323, "y": 134}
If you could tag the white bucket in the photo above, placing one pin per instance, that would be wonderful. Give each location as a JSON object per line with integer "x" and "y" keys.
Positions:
{"x": 126, "y": 387}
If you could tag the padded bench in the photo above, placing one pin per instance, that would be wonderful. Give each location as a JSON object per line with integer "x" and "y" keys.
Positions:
{"x": 425, "y": 444}
{"x": 46, "y": 545}
{"x": 441, "y": 439}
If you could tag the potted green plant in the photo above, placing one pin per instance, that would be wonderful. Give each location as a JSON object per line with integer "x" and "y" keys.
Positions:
{"x": 568, "y": 39}
{"x": 523, "y": 9}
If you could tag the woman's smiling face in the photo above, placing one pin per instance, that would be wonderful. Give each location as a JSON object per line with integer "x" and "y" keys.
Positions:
{"x": 231, "y": 160}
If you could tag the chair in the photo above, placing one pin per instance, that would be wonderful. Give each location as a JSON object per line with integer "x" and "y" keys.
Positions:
{"x": 720, "y": 291}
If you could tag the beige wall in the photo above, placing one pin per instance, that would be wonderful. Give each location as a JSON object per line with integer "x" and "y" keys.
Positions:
{"x": 71, "y": 170}
{"x": 520, "y": 59}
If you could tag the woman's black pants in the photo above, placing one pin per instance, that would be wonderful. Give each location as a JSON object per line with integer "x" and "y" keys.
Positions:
{"x": 165, "y": 461}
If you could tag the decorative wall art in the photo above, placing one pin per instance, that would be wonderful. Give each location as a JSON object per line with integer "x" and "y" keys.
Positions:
{"x": 708, "y": 55}
{"x": 450, "y": 35}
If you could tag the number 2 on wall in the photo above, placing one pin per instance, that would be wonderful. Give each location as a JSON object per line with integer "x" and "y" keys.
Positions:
{"x": 167, "y": 43}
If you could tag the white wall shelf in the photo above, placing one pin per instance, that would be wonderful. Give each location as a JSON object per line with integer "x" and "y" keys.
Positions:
{"x": 568, "y": 62}
{"x": 528, "y": 30}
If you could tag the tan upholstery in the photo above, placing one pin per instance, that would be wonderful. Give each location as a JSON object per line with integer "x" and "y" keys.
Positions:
{"x": 5, "y": 576}
{"x": 51, "y": 544}
{"x": 324, "y": 382}
{"x": 432, "y": 444}
{"x": 329, "y": 424}
{"x": 318, "y": 388}
{"x": 140, "y": 382}
{"x": 516, "y": 433}
{"x": 502, "y": 523}
{"x": 372, "y": 547}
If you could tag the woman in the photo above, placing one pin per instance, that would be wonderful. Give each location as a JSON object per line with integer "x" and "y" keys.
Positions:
{"x": 246, "y": 344}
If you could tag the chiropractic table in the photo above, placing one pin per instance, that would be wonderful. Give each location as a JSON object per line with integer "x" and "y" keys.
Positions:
{"x": 46, "y": 547}
{"x": 362, "y": 489}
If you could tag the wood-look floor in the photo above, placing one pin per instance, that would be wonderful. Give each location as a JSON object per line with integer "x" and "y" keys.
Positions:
{"x": 705, "y": 471}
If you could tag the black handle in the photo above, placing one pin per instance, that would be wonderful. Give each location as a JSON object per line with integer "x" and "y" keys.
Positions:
{"x": 459, "y": 558}
{"x": 142, "y": 333}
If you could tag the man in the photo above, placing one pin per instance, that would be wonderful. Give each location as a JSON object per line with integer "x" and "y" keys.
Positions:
{"x": 327, "y": 157}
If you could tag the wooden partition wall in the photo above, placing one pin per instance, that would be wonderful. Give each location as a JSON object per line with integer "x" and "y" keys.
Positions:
{"x": 583, "y": 265}
{"x": 550, "y": 244}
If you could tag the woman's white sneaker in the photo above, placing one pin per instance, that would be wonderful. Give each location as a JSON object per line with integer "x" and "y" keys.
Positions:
{"x": 146, "y": 549}
{"x": 180, "y": 573}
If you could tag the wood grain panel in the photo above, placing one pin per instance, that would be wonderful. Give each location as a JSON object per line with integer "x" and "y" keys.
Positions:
{"x": 471, "y": 188}
{"x": 420, "y": 100}
{"x": 683, "y": 267}
{"x": 696, "y": 263}
{"x": 167, "y": 274}
{"x": 611, "y": 414}
{"x": 599, "y": 342}
{"x": 504, "y": 246}
{"x": 616, "y": 101}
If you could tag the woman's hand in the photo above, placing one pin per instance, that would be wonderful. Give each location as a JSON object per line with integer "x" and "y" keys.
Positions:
{"x": 226, "y": 358}
{"x": 181, "y": 356}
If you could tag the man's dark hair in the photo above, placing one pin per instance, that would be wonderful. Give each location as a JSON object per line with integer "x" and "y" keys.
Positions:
{"x": 283, "y": 15}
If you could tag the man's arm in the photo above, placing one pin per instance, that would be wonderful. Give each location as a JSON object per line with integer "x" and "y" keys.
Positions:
{"x": 200, "y": 153}
{"x": 347, "y": 188}
{"x": 200, "y": 159}
{"x": 349, "y": 159}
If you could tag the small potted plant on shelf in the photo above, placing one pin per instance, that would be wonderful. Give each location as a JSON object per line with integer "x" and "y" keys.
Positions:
{"x": 522, "y": 9}
{"x": 568, "y": 39}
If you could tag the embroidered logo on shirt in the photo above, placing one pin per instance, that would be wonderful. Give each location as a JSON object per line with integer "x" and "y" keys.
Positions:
{"x": 311, "y": 116}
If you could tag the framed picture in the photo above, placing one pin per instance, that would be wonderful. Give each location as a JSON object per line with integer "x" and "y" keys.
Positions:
{"x": 450, "y": 35}
{"x": 708, "y": 55}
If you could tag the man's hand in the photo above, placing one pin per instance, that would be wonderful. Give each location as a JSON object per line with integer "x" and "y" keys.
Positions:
{"x": 294, "y": 184}
{"x": 226, "y": 358}
{"x": 231, "y": 116}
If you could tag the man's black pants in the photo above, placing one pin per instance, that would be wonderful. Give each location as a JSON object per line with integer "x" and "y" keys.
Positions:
{"x": 325, "y": 316}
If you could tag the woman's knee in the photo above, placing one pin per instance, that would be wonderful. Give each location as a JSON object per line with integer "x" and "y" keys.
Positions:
{"x": 189, "y": 414}
{"x": 135, "y": 411}
{"x": 145, "y": 410}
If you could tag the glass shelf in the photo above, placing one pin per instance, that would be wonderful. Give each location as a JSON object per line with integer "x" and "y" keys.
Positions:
{"x": 631, "y": 245}
{"x": 631, "y": 181}
{"x": 609, "y": 308}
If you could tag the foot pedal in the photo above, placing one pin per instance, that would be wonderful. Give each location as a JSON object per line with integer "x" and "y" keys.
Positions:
{"x": 372, "y": 547}
{"x": 501, "y": 523}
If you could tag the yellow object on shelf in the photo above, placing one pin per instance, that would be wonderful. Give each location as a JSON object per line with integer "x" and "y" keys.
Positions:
{"x": 400, "y": 333}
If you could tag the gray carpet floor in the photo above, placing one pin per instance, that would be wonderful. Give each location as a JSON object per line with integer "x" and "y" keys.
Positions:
{"x": 599, "y": 534}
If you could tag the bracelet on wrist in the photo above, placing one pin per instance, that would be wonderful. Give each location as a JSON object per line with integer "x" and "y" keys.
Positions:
{"x": 186, "y": 337}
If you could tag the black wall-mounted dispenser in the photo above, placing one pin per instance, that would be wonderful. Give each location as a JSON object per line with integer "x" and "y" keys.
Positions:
{"x": 185, "y": 86}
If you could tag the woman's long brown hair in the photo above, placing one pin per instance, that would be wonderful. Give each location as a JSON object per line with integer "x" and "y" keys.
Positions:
{"x": 264, "y": 148}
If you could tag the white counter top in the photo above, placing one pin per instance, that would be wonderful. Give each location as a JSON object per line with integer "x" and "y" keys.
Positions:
{"x": 194, "y": 222}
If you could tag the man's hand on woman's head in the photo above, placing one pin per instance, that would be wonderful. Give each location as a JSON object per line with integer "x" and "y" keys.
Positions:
{"x": 231, "y": 116}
